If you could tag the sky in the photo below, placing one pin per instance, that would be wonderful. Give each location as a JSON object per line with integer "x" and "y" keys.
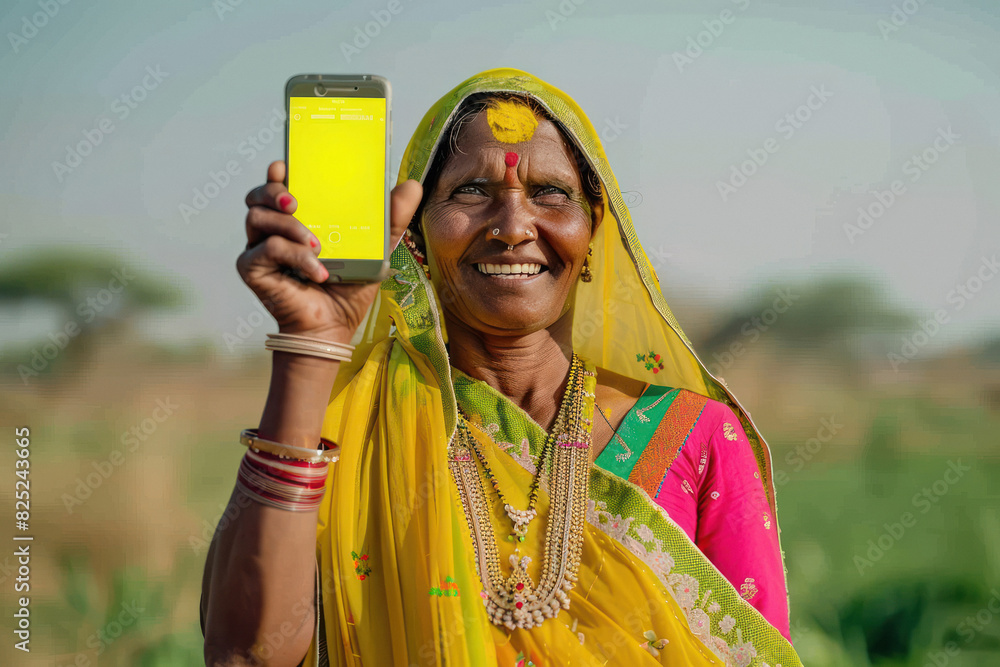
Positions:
{"x": 749, "y": 136}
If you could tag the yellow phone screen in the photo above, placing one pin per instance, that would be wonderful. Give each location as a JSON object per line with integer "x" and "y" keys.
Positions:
{"x": 336, "y": 172}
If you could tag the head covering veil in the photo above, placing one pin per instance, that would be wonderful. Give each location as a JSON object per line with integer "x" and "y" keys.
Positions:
{"x": 391, "y": 528}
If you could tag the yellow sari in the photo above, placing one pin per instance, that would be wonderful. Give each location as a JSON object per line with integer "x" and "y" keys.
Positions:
{"x": 397, "y": 580}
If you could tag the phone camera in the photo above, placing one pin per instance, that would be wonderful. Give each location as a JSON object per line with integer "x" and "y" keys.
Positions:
{"x": 320, "y": 89}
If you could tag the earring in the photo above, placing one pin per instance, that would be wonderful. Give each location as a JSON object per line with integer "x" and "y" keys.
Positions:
{"x": 585, "y": 273}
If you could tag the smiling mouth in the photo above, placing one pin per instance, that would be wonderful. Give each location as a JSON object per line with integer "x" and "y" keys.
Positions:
{"x": 510, "y": 271}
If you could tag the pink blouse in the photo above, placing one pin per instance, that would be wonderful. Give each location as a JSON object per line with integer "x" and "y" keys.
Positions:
{"x": 713, "y": 491}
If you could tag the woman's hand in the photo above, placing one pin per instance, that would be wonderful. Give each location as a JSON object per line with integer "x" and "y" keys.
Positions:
{"x": 276, "y": 242}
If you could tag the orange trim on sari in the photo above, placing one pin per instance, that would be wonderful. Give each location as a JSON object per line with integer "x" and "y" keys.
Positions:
{"x": 667, "y": 440}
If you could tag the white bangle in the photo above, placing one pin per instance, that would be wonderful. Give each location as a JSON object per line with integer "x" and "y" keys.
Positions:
{"x": 313, "y": 347}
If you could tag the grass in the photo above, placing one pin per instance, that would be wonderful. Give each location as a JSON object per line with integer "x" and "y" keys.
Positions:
{"x": 132, "y": 543}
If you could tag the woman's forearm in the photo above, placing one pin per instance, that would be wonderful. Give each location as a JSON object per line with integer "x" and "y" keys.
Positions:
{"x": 259, "y": 585}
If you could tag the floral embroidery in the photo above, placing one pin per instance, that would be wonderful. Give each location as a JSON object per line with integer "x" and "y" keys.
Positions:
{"x": 361, "y": 567}
{"x": 637, "y": 538}
{"x": 742, "y": 652}
{"x": 748, "y": 589}
{"x": 687, "y": 487}
{"x": 523, "y": 457}
{"x": 729, "y": 431}
{"x": 727, "y": 623}
{"x": 701, "y": 624}
{"x": 704, "y": 458}
{"x": 449, "y": 588}
{"x": 767, "y": 521}
{"x": 685, "y": 589}
{"x": 715, "y": 495}
{"x": 651, "y": 360}
{"x": 660, "y": 562}
{"x": 652, "y": 644}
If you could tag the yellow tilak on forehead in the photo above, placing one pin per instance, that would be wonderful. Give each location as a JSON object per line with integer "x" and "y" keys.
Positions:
{"x": 511, "y": 122}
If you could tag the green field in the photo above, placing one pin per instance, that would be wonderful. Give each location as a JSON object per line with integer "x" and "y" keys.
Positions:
{"x": 878, "y": 574}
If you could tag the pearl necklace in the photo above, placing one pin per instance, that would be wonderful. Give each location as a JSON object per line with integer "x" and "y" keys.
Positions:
{"x": 515, "y": 601}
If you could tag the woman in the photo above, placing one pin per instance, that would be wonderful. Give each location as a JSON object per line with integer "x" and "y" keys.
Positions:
{"x": 533, "y": 464}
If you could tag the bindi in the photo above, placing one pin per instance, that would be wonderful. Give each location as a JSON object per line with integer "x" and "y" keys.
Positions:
{"x": 510, "y": 175}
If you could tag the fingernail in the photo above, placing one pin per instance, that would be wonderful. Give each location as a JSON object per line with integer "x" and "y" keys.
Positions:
{"x": 313, "y": 242}
{"x": 284, "y": 200}
{"x": 324, "y": 274}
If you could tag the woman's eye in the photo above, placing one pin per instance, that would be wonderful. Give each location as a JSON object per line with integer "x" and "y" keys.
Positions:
{"x": 549, "y": 190}
{"x": 468, "y": 190}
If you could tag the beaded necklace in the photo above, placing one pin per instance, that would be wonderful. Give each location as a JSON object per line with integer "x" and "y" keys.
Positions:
{"x": 515, "y": 601}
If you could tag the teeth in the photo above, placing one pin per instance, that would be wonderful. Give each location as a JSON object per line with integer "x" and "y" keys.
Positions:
{"x": 509, "y": 269}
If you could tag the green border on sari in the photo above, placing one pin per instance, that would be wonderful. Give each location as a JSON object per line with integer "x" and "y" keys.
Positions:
{"x": 716, "y": 612}
{"x": 619, "y": 457}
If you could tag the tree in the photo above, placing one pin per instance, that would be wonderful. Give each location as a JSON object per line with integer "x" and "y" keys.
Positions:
{"x": 90, "y": 288}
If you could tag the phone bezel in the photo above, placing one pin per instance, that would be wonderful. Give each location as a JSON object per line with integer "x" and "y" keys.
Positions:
{"x": 349, "y": 85}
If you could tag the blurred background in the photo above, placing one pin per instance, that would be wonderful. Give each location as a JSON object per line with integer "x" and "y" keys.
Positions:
{"x": 815, "y": 186}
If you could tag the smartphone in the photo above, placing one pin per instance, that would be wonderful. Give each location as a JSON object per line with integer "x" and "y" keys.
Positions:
{"x": 338, "y": 131}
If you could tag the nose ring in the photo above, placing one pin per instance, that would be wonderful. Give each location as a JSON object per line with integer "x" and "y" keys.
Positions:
{"x": 510, "y": 247}
{"x": 530, "y": 234}
{"x": 496, "y": 231}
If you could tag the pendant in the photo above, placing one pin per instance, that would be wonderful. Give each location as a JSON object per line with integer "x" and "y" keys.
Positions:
{"x": 520, "y": 519}
{"x": 515, "y": 600}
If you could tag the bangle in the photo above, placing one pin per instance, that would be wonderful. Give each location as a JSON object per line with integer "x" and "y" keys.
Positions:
{"x": 313, "y": 347}
{"x": 329, "y": 452}
{"x": 269, "y": 480}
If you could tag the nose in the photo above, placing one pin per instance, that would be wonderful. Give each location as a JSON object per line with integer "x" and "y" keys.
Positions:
{"x": 510, "y": 234}
{"x": 511, "y": 226}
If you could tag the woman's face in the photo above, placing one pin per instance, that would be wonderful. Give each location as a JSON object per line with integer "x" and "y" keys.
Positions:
{"x": 492, "y": 194}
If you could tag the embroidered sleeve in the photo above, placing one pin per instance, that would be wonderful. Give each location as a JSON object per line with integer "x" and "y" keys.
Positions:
{"x": 735, "y": 528}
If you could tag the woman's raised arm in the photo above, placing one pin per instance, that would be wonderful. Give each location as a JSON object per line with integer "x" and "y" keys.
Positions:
{"x": 259, "y": 583}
